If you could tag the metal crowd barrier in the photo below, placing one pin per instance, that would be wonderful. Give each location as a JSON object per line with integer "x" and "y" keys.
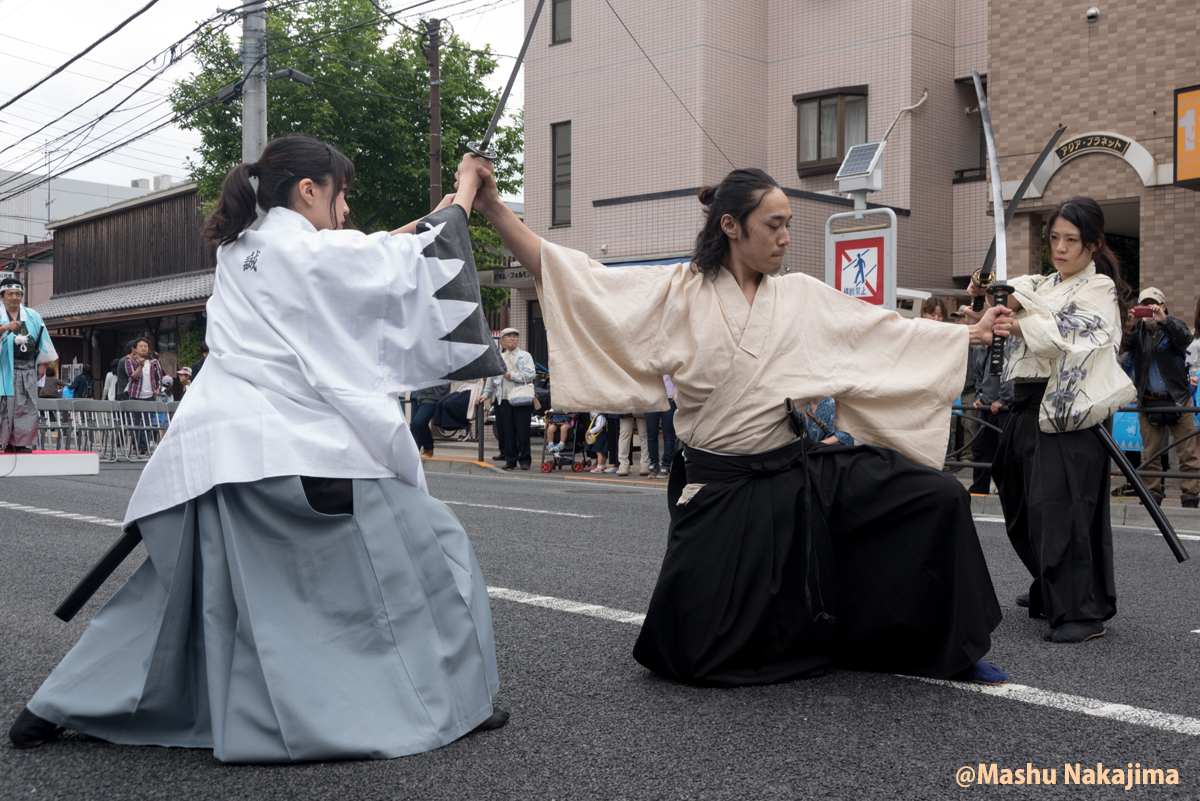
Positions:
{"x": 959, "y": 409}
{"x": 116, "y": 430}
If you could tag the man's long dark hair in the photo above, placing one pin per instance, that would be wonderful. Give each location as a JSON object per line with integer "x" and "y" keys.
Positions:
{"x": 284, "y": 163}
{"x": 1086, "y": 215}
{"x": 739, "y": 194}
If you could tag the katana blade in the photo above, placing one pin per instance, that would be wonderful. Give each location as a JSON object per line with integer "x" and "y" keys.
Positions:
{"x": 994, "y": 168}
{"x": 482, "y": 148}
{"x": 985, "y": 272}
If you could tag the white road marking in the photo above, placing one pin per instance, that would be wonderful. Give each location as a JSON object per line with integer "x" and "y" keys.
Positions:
{"x": 1013, "y": 692}
{"x": 1077, "y": 703}
{"x": 994, "y": 519}
{"x": 549, "y": 602}
{"x": 36, "y": 510}
{"x": 515, "y": 509}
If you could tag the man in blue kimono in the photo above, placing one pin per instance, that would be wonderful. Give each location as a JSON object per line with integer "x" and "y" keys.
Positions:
{"x": 24, "y": 347}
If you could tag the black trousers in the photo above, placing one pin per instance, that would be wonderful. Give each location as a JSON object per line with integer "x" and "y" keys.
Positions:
{"x": 514, "y": 421}
{"x": 983, "y": 449}
{"x": 1054, "y": 493}
{"x": 782, "y": 566}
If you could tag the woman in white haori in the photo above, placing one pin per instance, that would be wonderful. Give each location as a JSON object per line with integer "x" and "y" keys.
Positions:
{"x": 304, "y": 598}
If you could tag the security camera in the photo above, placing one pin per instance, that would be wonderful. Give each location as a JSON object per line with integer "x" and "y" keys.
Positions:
{"x": 1093, "y": 14}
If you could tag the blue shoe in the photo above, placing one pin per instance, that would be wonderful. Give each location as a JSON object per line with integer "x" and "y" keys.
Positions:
{"x": 982, "y": 673}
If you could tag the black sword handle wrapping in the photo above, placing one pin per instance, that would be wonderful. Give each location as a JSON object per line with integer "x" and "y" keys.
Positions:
{"x": 1139, "y": 486}
{"x": 1000, "y": 293}
{"x": 99, "y": 573}
{"x": 977, "y": 303}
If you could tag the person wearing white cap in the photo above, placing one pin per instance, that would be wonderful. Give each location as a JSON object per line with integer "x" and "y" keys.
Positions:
{"x": 514, "y": 392}
{"x": 24, "y": 347}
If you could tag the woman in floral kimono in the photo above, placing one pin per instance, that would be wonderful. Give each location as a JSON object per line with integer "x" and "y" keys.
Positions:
{"x": 785, "y": 556}
{"x": 1051, "y": 470}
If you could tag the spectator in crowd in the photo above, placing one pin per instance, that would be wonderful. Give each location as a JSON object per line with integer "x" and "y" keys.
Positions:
{"x": 820, "y": 423}
{"x": 513, "y": 418}
{"x": 82, "y": 385}
{"x": 992, "y": 399}
{"x": 933, "y": 309}
{"x": 1193, "y": 352}
{"x": 558, "y": 425}
{"x": 424, "y": 405}
{"x": 51, "y": 385}
{"x": 597, "y": 442}
{"x": 183, "y": 379}
{"x": 627, "y": 426}
{"x": 145, "y": 377}
{"x": 199, "y": 362}
{"x": 1160, "y": 375}
{"x": 664, "y": 421}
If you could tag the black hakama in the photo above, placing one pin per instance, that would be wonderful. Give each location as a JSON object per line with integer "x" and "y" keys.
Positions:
{"x": 872, "y": 563}
{"x": 1054, "y": 492}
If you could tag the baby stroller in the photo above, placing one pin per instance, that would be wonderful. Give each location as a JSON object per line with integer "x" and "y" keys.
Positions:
{"x": 558, "y": 459}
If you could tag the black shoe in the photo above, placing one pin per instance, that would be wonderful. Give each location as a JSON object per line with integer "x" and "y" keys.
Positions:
{"x": 1157, "y": 499}
{"x": 1191, "y": 503}
{"x": 499, "y": 457}
{"x": 1048, "y": 634}
{"x": 30, "y": 731}
{"x": 1023, "y": 600}
{"x": 653, "y": 472}
{"x": 512, "y": 466}
{"x": 1081, "y": 631}
{"x": 496, "y": 721}
{"x": 525, "y": 467}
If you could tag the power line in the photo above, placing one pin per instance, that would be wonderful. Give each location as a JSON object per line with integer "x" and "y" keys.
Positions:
{"x": 664, "y": 80}
{"x": 365, "y": 92}
{"x": 87, "y": 50}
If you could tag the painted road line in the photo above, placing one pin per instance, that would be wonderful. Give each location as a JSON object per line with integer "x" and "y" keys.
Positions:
{"x": 562, "y": 605}
{"x": 994, "y": 519}
{"x": 1163, "y": 721}
{"x": 515, "y": 509}
{"x": 36, "y": 510}
{"x": 1077, "y": 703}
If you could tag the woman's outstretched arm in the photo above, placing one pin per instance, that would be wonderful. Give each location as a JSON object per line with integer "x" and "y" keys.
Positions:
{"x": 525, "y": 245}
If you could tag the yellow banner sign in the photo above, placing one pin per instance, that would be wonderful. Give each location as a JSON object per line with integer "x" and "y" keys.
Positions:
{"x": 1187, "y": 120}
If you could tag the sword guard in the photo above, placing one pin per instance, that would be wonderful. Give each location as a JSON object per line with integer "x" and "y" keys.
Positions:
{"x": 995, "y": 289}
{"x": 983, "y": 283}
{"x": 479, "y": 150}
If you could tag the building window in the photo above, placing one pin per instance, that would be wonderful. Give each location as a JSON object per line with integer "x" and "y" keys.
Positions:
{"x": 561, "y": 24}
{"x": 560, "y": 135}
{"x": 829, "y": 124}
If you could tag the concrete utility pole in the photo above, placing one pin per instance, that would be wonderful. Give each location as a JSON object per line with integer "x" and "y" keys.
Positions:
{"x": 433, "y": 59}
{"x": 254, "y": 77}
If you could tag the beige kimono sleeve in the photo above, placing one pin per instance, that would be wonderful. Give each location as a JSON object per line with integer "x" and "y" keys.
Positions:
{"x": 604, "y": 327}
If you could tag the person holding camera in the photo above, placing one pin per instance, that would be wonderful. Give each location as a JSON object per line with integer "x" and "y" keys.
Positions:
{"x": 1160, "y": 374}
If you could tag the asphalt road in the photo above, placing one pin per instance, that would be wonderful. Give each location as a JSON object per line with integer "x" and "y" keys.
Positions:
{"x": 589, "y": 722}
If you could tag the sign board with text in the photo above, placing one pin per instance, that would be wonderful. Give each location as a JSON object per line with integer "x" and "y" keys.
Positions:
{"x": 861, "y": 261}
{"x": 1187, "y": 152}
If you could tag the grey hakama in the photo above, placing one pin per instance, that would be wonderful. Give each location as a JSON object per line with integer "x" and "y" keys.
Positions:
{"x": 273, "y": 633}
{"x": 18, "y": 412}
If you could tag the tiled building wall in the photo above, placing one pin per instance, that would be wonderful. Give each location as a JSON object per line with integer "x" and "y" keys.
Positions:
{"x": 650, "y": 227}
{"x": 1049, "y": 66}
{"x": 970, "y": 37}
{"x": 973, "y": 227}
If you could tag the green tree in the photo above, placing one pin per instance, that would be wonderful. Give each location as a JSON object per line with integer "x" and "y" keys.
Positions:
{"x": 371, "y": 102}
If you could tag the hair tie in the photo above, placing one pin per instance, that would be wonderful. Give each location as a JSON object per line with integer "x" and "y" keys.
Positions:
{"x": 254, "y": 169}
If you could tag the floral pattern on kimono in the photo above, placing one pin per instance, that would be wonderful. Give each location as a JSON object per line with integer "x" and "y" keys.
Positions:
{"x": 1071, "y": 330}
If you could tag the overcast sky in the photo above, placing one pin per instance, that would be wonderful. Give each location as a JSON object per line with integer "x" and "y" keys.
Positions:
{"x": 37, "y": 36}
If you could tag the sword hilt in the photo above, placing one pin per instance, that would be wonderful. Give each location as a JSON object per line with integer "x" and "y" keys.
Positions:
{"x": 1000, "y": 293}
{"x": 482, "y": 150}
{"x": 983, "y": 283}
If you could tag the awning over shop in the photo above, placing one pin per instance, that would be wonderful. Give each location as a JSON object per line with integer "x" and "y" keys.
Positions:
{"x": 154, "y": 297}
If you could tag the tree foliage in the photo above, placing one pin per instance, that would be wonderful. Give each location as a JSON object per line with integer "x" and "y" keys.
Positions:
{"x": 371, "y": 102}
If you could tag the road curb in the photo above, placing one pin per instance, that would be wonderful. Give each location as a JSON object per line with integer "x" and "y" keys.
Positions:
{"x": 1121, "y": 514}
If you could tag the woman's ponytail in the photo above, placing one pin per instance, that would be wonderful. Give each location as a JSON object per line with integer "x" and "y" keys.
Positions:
{"x": 284, "y": 163}
{"x": 237, "y": 207}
